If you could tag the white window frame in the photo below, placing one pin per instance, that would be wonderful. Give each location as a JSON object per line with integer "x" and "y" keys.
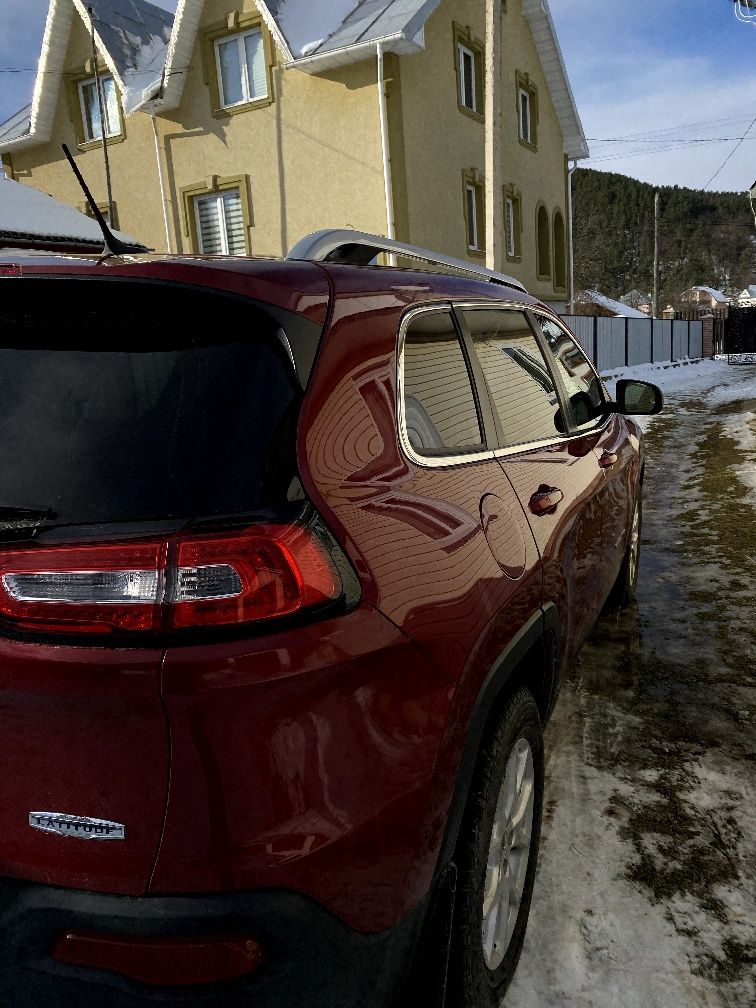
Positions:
{"x": 473, "y": 234}
{"x": 110, "y": 131}
{"x": 464, "y": 51}
{"x": 525, "y": 115}
{"x": 509, "y": 210}
{"x": 247, "y": 96}
{"x": 216, "y": 197}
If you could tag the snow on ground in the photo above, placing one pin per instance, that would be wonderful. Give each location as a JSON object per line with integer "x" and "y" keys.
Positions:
{"x": 644, "y": 896}
{"x": 719, "y": 383}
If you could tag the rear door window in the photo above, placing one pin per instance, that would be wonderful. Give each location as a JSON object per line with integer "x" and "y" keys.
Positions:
{"x": 520, "y": 386}
{"x": 440, "y": 414}
{"x": 140, "y": 405}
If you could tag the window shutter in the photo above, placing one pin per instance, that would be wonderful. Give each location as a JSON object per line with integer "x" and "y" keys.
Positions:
{"x": 209, "y": 226}
{"x": 256, "y": 69}
{"x": 234, "y": 217}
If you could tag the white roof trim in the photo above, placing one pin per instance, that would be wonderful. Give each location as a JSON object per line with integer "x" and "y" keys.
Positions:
{"x": 544, "y": 34}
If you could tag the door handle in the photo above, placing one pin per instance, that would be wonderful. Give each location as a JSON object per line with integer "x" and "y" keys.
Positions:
{"x": 545, "y": 500}
{"x": 608, "y": 459}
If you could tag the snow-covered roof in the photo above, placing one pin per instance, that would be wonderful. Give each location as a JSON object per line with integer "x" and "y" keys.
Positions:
{"x": 18, "y": 125}
{"x": 749, "y": 292}
{"x": 715, "y": 295}
{"x": 611, "y": 305}
{"x": 131, "y": 36}
{"x": 27, "y": 214}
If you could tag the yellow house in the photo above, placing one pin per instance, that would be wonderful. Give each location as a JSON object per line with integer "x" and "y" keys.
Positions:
{"x": 238, "y": 126}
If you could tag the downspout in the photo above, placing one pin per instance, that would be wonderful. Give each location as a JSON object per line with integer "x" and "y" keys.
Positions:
{"x": 162, "y": 183}
{"x": 390, "y": 231}
{"x": 571, "y": 237}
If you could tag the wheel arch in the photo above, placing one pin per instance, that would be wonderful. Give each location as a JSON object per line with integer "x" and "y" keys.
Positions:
{"x": 529, "y": 660}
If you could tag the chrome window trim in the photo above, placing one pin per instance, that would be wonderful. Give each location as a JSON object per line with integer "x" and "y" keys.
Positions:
{"x": 429, "y": 461}
{"x": 446, "y": 461}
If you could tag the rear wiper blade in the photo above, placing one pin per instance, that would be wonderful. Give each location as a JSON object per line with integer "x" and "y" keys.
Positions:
{"x": 19, "y": 517}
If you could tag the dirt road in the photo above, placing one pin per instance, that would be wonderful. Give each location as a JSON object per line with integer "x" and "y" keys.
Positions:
{"x": 646, "y": 891}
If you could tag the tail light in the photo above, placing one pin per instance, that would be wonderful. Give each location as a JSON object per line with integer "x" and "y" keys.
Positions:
{"x": 216, "y": 579}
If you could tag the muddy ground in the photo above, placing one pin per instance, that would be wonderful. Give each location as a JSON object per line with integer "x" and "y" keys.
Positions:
{"x": 646, "y": 890}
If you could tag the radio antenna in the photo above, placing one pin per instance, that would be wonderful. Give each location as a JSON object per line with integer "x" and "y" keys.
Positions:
{"x": 113, "y": 245}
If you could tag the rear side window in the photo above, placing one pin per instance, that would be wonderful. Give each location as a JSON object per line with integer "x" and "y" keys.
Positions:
{"x": 139, "y": 404}
{"x": 440, "y": 414}
{"x": 519, "y": 384}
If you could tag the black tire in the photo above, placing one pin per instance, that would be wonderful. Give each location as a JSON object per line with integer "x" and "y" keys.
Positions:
{"x": 472, "y": 981}
{"x": 625, "y": 587}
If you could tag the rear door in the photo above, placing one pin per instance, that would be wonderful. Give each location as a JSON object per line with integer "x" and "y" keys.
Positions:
{"x": 555, "y": 477}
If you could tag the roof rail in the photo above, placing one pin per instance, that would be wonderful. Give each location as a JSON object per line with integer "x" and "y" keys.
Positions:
{"x": 341, "y": 245}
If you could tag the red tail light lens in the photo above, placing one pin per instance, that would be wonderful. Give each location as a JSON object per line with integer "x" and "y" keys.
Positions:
{"x": 269, "y": 570}
{"x": 217, "y": 579}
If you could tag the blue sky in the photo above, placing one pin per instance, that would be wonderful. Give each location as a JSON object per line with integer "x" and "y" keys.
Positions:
{"x": 672, "y": 73}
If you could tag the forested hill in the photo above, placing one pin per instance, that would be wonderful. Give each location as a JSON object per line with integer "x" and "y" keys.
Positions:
{"x": 704, "y": 237}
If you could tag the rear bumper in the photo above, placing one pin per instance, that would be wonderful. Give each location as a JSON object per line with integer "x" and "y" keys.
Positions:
{"x": 311, "y": 958}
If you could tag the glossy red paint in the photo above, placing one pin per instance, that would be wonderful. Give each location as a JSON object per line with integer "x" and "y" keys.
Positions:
{"x": 296, "y": 755}
{"x": 83, "y": 733}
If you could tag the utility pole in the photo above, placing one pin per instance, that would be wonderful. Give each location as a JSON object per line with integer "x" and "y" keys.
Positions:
{"x": 656, "y": 256}
{"x": 103, "y": 130}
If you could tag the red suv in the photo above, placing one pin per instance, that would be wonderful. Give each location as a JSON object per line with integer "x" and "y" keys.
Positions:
{"x": 293, "y": 555}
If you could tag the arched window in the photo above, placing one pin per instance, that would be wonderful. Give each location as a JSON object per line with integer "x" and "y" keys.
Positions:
{"x": 560, "y": 252}
{"x": 544, "y": 242}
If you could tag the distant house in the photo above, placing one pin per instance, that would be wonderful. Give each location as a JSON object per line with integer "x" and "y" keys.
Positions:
{"x": 638, "y": 299}
{"x": 591, "y": 302}
{"x": 238, "y": 126}
{"x": 30, "y": 219}
{"x": 747, "y": 298}
{"x": 704, "y": 298}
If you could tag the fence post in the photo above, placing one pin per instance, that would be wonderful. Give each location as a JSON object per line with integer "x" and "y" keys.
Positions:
{"x": 627, "y": 342}
{"x": 595, "y": 342}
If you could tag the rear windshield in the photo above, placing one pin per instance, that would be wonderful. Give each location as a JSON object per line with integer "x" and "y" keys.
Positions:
{"x": 142, "y": 403}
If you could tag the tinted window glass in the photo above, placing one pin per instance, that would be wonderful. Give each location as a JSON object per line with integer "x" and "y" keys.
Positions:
{"x": 520, "y": 385}
{"x": 576, "y": 372}
{"x": 439, "y": 406}
{"x": 147, "y": 431}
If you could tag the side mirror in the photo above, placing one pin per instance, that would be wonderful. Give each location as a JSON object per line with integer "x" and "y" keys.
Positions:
{"x": 638, "y": 398}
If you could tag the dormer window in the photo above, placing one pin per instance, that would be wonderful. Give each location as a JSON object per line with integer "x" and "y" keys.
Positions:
{"x": 91, "y": 119}
{"x": 242, "y": 70}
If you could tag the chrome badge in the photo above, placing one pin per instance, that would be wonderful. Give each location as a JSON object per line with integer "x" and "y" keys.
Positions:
{"x": 77, "y": 826}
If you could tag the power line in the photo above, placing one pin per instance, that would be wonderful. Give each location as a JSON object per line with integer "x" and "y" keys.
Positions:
{"x": 737, "y": 145}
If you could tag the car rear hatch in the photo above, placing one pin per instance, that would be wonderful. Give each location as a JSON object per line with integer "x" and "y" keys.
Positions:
{"x": 133, "y": 414}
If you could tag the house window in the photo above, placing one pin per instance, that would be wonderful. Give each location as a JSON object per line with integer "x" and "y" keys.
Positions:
{"x": 242, "y": 70}
{"x": 543, "y": 243}
{"x": 91, "y": 119}
{"x": 527, "y": 110}
{"x": 467, "y": 95}
{"x": 220, "y": 223}
{"x": 468, "y": 60}
{"x": 560, "y": 252}
{"x": 513, "y": 222}
{"x": 474, "y": 213}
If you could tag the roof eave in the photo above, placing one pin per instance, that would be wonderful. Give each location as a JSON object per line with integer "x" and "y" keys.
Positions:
{"x": 318, "y": 62}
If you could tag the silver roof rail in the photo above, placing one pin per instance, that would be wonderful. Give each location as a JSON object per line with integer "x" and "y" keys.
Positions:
{"x": 341, "y": 245}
